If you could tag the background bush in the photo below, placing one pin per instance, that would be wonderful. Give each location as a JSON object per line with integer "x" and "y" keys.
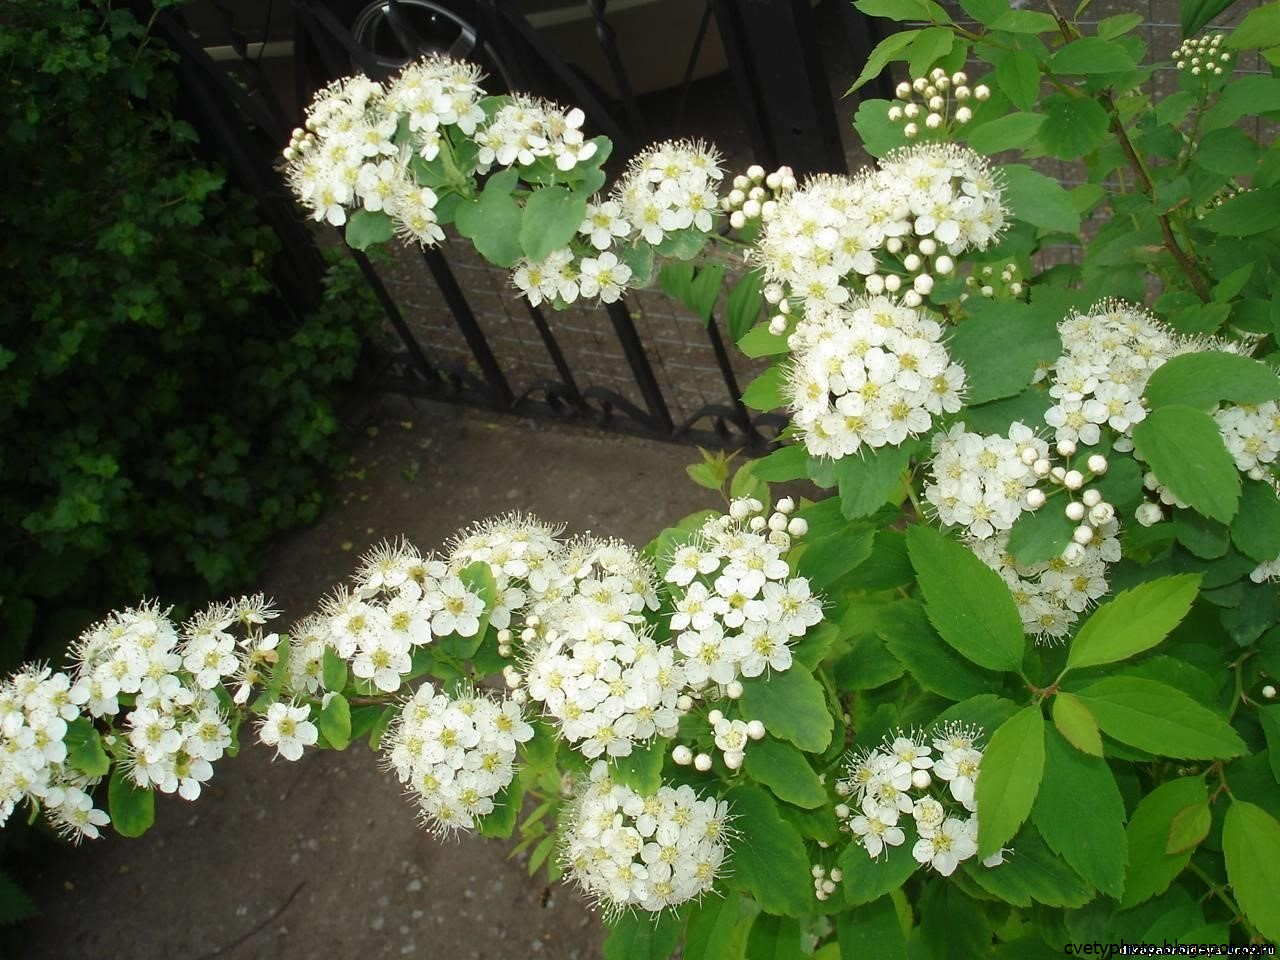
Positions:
{"x": 163, "y": 412}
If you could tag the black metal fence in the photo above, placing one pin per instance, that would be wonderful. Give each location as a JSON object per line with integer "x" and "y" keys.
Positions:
{"x": 457, "y": 333}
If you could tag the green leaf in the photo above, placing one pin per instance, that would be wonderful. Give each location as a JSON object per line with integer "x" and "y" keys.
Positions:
{"x": 640, "y": 935}
{"x": 966, "y": 600}
{"x": 886, "y": 51}
{"x": 792, "y": 705}
{"x": 1230, "y": 152}
{"x": 1189, "y": 828}
{"x": 932, "y": 45}
{"x": 1092, "y": 55}
{"x": 1259, "y": 28}
{"x": 15, "y": 904}
{"x": 952, "y": 925}
{"x": 1000, "y": 346}
{"x": 1076, "y": 724}
{"x": 870, "y": 478}
{"x": 1184, "y": 448}
{"x": 1133, "y": 621}
{"x": 1158, "y": 718}
{"x": 784, "y": 770}
{"x": 934, "y": 665}
{"x": 366, "y": 228}
{"x": 1246, "y": 214}
{"x": 759, "y": 342}
{"x": 1205, "y": 379}
{"x": 493, "y": 222}
{"x": 775, "y": 938}
{"x": 872, "y": 930}
{"x": 1025, "y": 21}
{"x": 1196, "y": 14}
{"x": 551, "y": 218}
{"x": 828, "y": 558}
{"x": 783, "y": 464}
{"x": 1251, "y": 844}
{"x": 867, "y": 879}
{"x": 641, "y": 769}
{"x": 710, "y": 929}
{"x": 1011, "y": 131}
{"x": 1073, "y": 126}
{"x": 1118, "y": 25}
{"x": 867, "y": 665}
{"x": 501, "y": 822}
{"x": 1151, "y": 867}
{"x": 1039, "y": 200}
{"x": 1089, "y": 836}
{"x": 742, "y": 308}
{"x": 88, "y": 755}
{"x": 769, "y": 858}
{"x": 334, "y": 721}
{"x": 1269, "y": 718}
{"x": 1032, "y": 872}
{"x": 1005, "y": 790}
{"x": 765, "y": 391}
{"x": 335, "y": 671}
{"x": 132, "y": 809}
{"x": 1040, "y": 536}
{"x": 878, "y": 133}
{"x": 904, "y": 10}
{"x": 1018, "y": 76}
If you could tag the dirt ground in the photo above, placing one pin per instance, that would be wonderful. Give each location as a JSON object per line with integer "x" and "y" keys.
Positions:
{"x": 324, "y": 857}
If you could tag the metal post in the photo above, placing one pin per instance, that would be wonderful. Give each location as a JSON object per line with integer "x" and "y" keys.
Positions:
{"x": 633, "y": 350}
{"x": 499, "y": 390}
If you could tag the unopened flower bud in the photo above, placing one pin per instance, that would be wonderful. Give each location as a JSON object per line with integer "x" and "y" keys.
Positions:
{"x": 920, "y": 779}
{"x": 875, "y": 284}
{"x": 733, "y": 689}
{"x": 911, "y": 299}
{"x": 1082, "y": 535}
{"x": 682, "y": 755}
{"x": 903, "y": 91}
{"x": 1041, "y": 467}
{"x": 964, "y": 115}
{"x": 1269, "y": 692}
{"x": 1097, "y": 464}
{"x": 923, "y": 284}
{"x": 684, "y": 703}
{"x": 936, "y": 103}
{"x": 1073, "y": 554}
{"x": 892, "y": 282}
{"x": 757, "y": 194}
{"x": 981, "y": 92}
{"x": 893, "y": 245}
{"x": 755, "y": 173}
{"x": 927, "y": 246}
{"x": 1101, "y": 513}
{"x": 1058, "y": 473}
{"x": 919, "y": 84}
{"x": 751, "y": 209}
{"x": 912, "y": 262}
{"x": 702, "y": 762}
{"x": 1073, "y": 480}
{"x": 842, "y": 810}
{"x": 768, "y": 209}
{"x": 798, "y": 526}
{"x": 1035, "y": 498}
{"x": 1075, "y": 512}
{"x": 778, "y": 325}
{"x": 755, "y": 730}
{"x": 1148, "y": 514}
{"x": 911, "y": 131}
{"x": 933, "y": 121}
{"x": 1066, "y": 448}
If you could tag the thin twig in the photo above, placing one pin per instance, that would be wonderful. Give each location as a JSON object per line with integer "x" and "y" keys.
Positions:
{"x": 256, "y": 928}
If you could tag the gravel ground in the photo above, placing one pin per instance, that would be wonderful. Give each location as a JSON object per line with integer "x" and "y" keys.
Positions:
{"x": 324, "y": 858}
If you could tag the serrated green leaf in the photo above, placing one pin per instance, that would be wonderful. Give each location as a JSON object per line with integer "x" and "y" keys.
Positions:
{"x": 1089, "y": 836}
{"x": 334, "y": 721}
{"x": 929, "y": 47}
{"x": 1159, "y": 719}
{"x": 710, "y": 928}
{"x": 1269, "y": 718}
{"x": 1040, "y": 536}
{"x": 1009, "y": 132}
{"x": 640, "y": 935}
{"x": 759, "y": 342}
{"x": 743, "y": 305}
{"x": 1230, "y": 152}
{"x": 367, "y": 228}
{"x": 1205, "y": 379}
{"x": 551, "y": 219}
{"x": 1259, "y": 28}
{"x": 933, "y": 664}
{"x": 1031, "y": 873}
{"x": 867, "y": 879}
{"x": 641, "y": 769}
{"x": 1006, "y": 788}
{"x": 335, "y": 671}
{"x": 878, "y": 133}
{"x": 966, "y": 601}
{"x": 1025, "y": 21}
{"x": 783, "y": 464}
{"x": 765, "y": 391}
{"x": 783, "y": 769}
{"x": 827, "y": 558}
{"x": 1189, "y": 827}
{"x": 769, "y": 858}
{"x": 952, "y": 925}
{"x": 501, "y": 822}
{"x": 1090, "y": 55}
{"x": 1018, "y": 76}
{"x": 1118, "y": 25}
{"x": 1245, "y": 214}
{"x": 1039, "y": 200}
{"x": 984, "y": 11}
{"x": 1133, "y": 621}
{"x": 1001, "y": 345}
{"x": 792, "y": 705}
{"x": 1151, "y": 867}
{"x": 1184, "y": 448}
{"x": 493, "y": 221}
{"x": 1076, "y": 724}
{"x": 132, "y": 809}
{"x": 870, "y": 478}
{"x": 85, "y": 751}
{"x": 1196, "y": 14}
{"x": 1073, "y": 126}
{"x": 1251, "y": 844}
{"x": 904, "y": 10}
{"x": 885, "y": 52}
{"x": 871, "y": 930}
{"x": 775, "y": 938}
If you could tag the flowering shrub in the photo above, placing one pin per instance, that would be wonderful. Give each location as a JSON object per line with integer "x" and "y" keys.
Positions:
{"x": 1005, "y": 690}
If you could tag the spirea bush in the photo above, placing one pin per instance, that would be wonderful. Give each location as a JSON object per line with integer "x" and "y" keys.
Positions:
{"x": 1004, "y": 691}
{"x": 164, "y": 413}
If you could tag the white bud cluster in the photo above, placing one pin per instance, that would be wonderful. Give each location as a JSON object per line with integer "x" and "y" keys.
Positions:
{"x": 995, "y": 282}
{"x": 824, "y": 881}
{"x": 737, "y": 607}
{"x": 455, "y": 754}
{"x": 870, "y": 372}
{"x": 901, "y": 782}
{"x": 628, "y": 850}
{"x": 1202, "y": 56}
{"x": 929, "y": 105}
{"x": 754, "y": 195}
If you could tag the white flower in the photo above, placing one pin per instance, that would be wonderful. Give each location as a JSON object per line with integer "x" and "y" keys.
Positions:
{"x": 952, "y": 844}
{"x": 287, "y": 728}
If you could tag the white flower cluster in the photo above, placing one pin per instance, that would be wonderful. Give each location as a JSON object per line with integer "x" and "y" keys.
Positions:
{"x": 737, "y": 608}
{"x": 401, "y": 601}
{"x": 527, "y": 129}
{"x": 1252, "y": 435}
{"x": 36, "y": 705}
{"x": 592, "y": 661}
{"x": 1202, "y": 55}
{"x": 669, "y": 187}
{"x": 755, "y": 194}
{"x": 455, "y": 754}
{"x": 898, "y": 783}
{"x": 925, "y": 205}
{"x": 942, "y": 96}
{"x": 981, "y": 482}
{"x": 870, "y": 372}
{"x": 653, "y": 852}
